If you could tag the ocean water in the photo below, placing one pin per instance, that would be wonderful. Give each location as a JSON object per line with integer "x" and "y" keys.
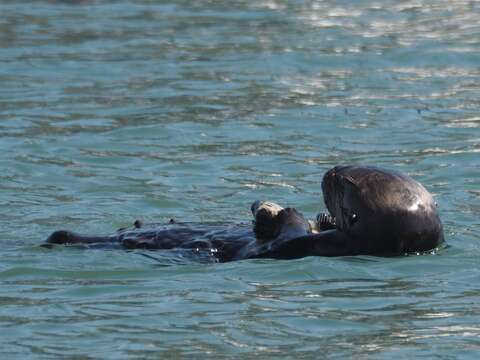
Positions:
{"x": 112, "y": 111}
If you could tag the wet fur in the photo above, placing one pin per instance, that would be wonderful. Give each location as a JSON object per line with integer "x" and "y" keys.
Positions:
{"x": 373, "y": 211}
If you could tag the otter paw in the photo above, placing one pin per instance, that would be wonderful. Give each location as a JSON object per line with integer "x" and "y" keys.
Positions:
{"x": 325, "y": 222}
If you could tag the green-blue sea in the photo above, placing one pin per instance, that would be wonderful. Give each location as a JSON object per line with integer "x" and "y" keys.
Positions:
{"x": 112, "y": 111}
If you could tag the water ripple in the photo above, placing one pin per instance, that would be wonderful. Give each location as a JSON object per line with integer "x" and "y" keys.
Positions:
{"x": 195, "y": 109}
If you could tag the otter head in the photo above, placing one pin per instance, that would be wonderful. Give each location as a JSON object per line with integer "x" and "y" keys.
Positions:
{"x": 382, "y": 211}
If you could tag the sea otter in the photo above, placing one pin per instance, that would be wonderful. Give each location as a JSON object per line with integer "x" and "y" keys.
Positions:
{"x": 372, "y": 211}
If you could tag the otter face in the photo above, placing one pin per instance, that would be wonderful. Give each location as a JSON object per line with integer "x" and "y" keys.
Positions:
{"x": 343, "y": 197}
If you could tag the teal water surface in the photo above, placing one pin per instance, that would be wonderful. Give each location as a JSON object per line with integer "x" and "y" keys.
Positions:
{"x": 112, "y": 111}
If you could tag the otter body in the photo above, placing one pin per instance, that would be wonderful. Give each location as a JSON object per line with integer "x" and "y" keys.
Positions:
{"x": 372, "y": 211}
{"x": 225, "y": 242}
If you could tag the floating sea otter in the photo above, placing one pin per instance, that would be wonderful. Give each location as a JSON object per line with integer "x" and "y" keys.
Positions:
{"x": 373, "y": 211}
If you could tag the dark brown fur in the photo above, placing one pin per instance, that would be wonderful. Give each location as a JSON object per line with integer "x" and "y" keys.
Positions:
{"x": 372, "y": 211}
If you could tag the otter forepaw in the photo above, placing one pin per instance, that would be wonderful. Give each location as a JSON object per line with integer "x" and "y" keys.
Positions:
{"x": 325, "y": 222}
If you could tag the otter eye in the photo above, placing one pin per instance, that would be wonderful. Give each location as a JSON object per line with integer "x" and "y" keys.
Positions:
{"x": 349, "y": 216}
{"x": 353, "y": 218}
